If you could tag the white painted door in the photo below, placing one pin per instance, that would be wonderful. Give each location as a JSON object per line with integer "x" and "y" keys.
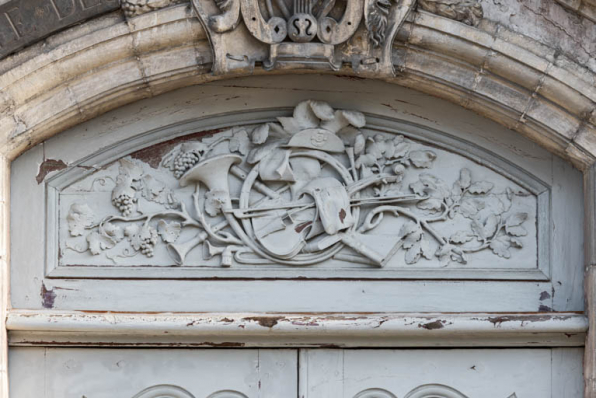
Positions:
{"x": 307, "y": 373}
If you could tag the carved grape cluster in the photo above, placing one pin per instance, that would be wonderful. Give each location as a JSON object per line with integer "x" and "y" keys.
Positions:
{"x": 125, "y": 203}
{"x": 185, "y": 161}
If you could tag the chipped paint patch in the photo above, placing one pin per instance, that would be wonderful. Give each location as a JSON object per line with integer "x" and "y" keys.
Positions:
{"x": 47, "y": 297}
{"x": 47, "y": 167}
{"x": 265, "y": 321}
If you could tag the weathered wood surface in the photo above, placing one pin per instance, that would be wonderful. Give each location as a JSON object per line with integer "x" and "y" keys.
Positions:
{"x": 297, "y": 330}
{"x": 445, "y": 373}
{"x": 139, "y": 373}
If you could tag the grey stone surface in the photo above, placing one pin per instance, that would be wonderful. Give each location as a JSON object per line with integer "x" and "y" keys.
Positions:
{"x": 22, "y": 22}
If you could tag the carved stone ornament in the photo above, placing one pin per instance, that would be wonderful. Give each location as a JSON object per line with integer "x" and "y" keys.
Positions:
{"x": 316, "y": 186}
{"x": 316, "y": 34}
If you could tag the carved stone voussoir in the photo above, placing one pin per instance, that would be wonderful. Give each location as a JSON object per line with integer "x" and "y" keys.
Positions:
{"x": 319, "y": 187}
{"x": 314, "y": 34}
{"x": 466, "y": 11}
{"x": 133, "y": 8}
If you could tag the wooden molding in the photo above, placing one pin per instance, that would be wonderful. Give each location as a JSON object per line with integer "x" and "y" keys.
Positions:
{"x": 54, "y": 328}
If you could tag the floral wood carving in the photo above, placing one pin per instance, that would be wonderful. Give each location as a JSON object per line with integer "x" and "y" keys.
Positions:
{"x": 315, "y": 186}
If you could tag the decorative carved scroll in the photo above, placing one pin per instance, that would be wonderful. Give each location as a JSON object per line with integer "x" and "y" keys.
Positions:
{"x": 312, "y": 187}
{"x": 321, "y": 34}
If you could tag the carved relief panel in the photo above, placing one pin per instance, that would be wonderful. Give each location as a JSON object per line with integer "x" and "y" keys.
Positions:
{"x": 321, "y": 192}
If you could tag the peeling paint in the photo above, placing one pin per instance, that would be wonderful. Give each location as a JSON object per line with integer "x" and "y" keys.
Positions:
{"x": 265, "y": 321}
{"x": 438, "y": 324}
{"x": 47, "y": 297}
{"x": 47, "y": 167}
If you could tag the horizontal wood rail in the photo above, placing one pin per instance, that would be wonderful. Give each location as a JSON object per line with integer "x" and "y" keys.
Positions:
{"x": 54, "y": 328}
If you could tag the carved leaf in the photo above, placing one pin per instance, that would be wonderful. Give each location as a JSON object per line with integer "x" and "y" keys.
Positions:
{"x": 516, "y": 219}
{"x": 169, "y": 232}
{"x": 401, "y": 149}
{"x": 240, "y": 142}
{"x": 324, "y": 111}
{"x": 481, "y": 187}
{"x": 426, "y": 249}
{"x": 98, "y": 242}
{"x": 490, "y": 225}
{"x": 80, "y": 217}
{"x": 422, "y": 159}
{"x": 461, "y": 237}
{"x": 131, "y": 169}
{"x": 154, "y": 190}
{"x": 260, "y": 152}
{"x": 478, "y": 229}
{"x": 469, "y": 208}
{"x": 367, "y": 160}
{"x": 500, "y": 247}
{"x": 213, "y": 202}
{"x": 113, "y": 231}
{"x": 413, "y": 253}
{"x": 516, "y": 242}
{"x": 516, "y": 231}
{"x": 260, "y": 134}
{"x": 430, "y": 204}
{"x": 359, "y": 144}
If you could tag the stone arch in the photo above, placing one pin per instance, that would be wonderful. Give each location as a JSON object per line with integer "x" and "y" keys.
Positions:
{"x": 109, "y": 62}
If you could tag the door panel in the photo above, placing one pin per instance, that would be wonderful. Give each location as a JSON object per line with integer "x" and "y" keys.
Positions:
{"x": 151, "y": 373}
{"x": 513, "y": 373}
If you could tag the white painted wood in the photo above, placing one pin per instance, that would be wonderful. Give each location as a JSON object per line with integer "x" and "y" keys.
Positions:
{"x": 448, "y": 373}
{"x": 299, "y": 296}
{"x": 296, "y": 330}
{"x": 74, "y": 373}
{"x": 567, "y": 372}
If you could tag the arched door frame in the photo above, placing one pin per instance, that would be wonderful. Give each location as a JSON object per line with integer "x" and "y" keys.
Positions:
{"x": 106, "y": 63}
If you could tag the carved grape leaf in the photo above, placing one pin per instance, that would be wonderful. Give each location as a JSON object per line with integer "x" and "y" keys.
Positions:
{"x": 113, "y": 231}
{"x": 155, "y": 190}
{"x": 80, "y": 217}
{"x": 478, "y": 229}
{"x": 98, "y": 242}
{"x": 240, "y": 142}
{"x": 213, "y": 202}
{"x": 260, "y": 134}
{"x": 305, "y": 116}
{"x": 131, "y": 169}
{"x": 169, "y": 232}
{"x": 131, "y": 230}
{"x": 480, "y": 187}
{"x": 500, "y": 247}
{"x": 461, "y": 237}
{"x": 516, "y": 242}
{"x": 422, "y": 159}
